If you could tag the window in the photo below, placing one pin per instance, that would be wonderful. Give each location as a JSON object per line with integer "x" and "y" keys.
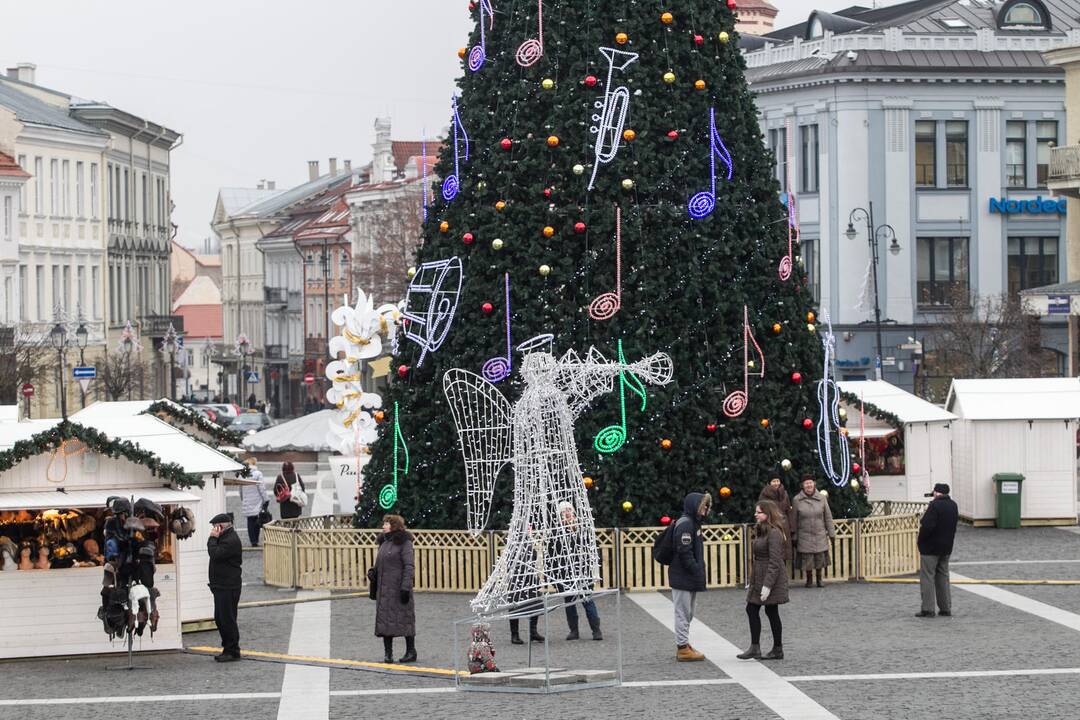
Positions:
{"x": 956, "y": 153}
{"x": 24, "y": 304}
{"x": 7, "y": 217}
{"x": 126, "y": 213}
{"x": 54, "y": 187}
{"x": 22, "y": 188}
{"x": 66, "y": 288}
{"x": 116, "y": 195}
{"x": 94, "y": 190}
{"x": 1023, "y": 14}
{"x": 943, "y": 269}
{"x": 953, "y": 23}
{"x": 145, "y": 200}
{"x": 925, "y": 153}
{"x": 95, "y": 288}
{"x": 55, "y": 290}
{"x": 809, "y": 158}
{"x": 109, "y": 190}
{"x": 1016, "y": 153}
{"x": 65, "y": 190}
{"x": 114, "y": 296}
{"x": 80, "y": 289}
{"x": 80, "y": 204}
{"x": 1033, "y": 262}
{"x": 778, "y": 143}
{"x": 1045, "y": 139}
{"x": 7, "y": 300}
{"x": 808, "y": 253}
{"x": 39, "y": 186}
{"x": 39, "y": 292}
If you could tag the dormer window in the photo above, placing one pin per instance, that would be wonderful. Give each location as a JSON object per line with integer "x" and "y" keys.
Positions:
{"x": 1024, "y": 15}
{"x": 816, "y": 30}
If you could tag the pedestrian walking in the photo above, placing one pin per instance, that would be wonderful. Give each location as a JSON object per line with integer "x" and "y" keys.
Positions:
{"x": 768, "y": 584}
{"x": 813, "y": 529}
{"x": 568, "y": 548}
{"x": 777, "y": 493}
{"x": 686, "y": 575}
{"x": 254, "y": 501}
{"x": 284, "y": 486}
{"x": 937, "y": 531}
{"x": 225, "y": 581}
{"x": 523, "y": 595}
{"x": 395, "y": 611}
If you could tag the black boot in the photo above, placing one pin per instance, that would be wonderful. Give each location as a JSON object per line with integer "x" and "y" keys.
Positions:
{"x": 594, "y": 625}
{"x": 534, "y": 636}
{"x": 752, "y": 653}
{"x": 410, "y": 650}
{"x": 515, "y": 636}
{"x": 818, "y": 573}
{"x": 809, "y": 577}
{"x": 572, "y": 623}
{"x": 388, "y": 650}
{"x": 777, "y": 653}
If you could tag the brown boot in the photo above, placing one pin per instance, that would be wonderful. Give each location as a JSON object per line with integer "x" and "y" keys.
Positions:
{"x": 688, "y": 654}
{"x": 818, "y": 573}
{"x": 809, "y": 578}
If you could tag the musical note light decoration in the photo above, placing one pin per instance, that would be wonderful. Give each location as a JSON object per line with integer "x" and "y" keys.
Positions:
{"x": 536, "y": 436}
{"x": 702, "y": 204}
{"x": 792, "y": 203}
{"x": 611, "y": 438}
{"x": 530, "y": 51}
{"x": 735, "y": 403}
{"x": 829, "y": 415}
{"x": 499, "y": 368}
{"x": 452, "y": 184}
{"x": 388, "y": 494}
{"x": 478, "y": 53}
{"x": 613, "y": 109}
{"x": 605, "y": 306}
{"x": 431, "y": 302}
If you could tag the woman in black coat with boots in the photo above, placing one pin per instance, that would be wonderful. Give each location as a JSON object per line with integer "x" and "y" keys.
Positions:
{"x": 392, "y": 581}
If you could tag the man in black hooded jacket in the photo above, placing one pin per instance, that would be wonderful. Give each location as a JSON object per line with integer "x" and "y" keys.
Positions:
{"x": 686, "y": 575}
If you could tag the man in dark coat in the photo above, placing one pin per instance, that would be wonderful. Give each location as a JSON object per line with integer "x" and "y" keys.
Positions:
{"x": 226, "y": 557}
{"x": 686, "y": 575}
{"x": 936, "y": 533}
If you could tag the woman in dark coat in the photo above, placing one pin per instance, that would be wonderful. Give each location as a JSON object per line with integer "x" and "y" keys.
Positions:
{"x": 395, "y": 613}
{"x": 777, "y": 493}
{"x": 768, "y": 584}
{"x": 288, "y": 478}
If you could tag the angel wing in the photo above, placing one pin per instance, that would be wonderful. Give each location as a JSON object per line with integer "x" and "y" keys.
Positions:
{"x": 484, "y": 422}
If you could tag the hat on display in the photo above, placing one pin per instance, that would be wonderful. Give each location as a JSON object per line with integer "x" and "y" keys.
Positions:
{"x": 119, "y": 505}
{"x": 183, "y": 523}
{"x": 941, "y": 488}
{"x": 222, "y": 518}
{"x": 148, "y": 508}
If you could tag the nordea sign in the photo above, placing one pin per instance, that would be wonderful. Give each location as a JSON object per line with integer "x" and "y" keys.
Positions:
{"x": 1038, "y": 206}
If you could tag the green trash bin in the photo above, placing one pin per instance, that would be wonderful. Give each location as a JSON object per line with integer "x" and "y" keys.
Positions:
{"x": 1007, "y": 490}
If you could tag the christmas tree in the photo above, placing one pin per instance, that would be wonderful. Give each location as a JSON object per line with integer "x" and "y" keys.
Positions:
{"x": 606, "y": 165}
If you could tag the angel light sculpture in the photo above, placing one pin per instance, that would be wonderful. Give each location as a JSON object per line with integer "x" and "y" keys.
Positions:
{"x": 360, "y": 340}
{"x": 548, "y": 543}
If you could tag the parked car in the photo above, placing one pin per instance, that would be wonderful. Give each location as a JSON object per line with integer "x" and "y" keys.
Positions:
{"x": 250, "y": 422}
{"x": 226, "y": 412}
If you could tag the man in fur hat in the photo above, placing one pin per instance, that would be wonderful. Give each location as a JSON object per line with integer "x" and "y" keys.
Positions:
{"x": 226, "y": 557}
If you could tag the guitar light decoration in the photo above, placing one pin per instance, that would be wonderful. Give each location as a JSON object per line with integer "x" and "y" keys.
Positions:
{"x": 478, "y": 54}
{"x": 431, "y": 302}
{"x": 551, "y": 526}
{"x": 613, "y": 437}
{"x": 452, "y": 184}
{"x": 829, "y": 416}
{"x": 702, "y": 204}
{"x": 388, "y": 495}
{"x": 613, "y": 109}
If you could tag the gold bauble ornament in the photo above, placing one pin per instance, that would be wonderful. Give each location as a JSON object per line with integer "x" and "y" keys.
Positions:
{"x": 545, "y": 270}
{"x": 699, "y": 84}
{"x": 501, "y": 205}
{"x": 667, "y": 18}
{"x": 669, "y": 77}
{"x": 444, "y": 226}
{"x": 411, "y": 272}
{"x": 823, "y": 493}
{"x": 855, "y": 485}
{"x": 579, "y": 169}
{"x": 723, "y": 36}
{"x": 786, "y": 464}
{"x": 811, "y": 327}
{"x": 481, "y": 186}
{"x": 627, "y": 506}
{"x": 843, "y": 414}
{"x": 553, "y": 141}
{"x": 627, "y": 184}
{"x": 549, "y": 231}
{"x": 547, "y": 83}
{"x": 751, "y": 364}
{"x": 629, "y": 135}
{"x": 497, "y": 244}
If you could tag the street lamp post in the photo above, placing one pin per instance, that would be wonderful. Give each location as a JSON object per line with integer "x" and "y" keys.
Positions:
{"x": 242, "y": 346}
{"x": 82, "y": 335}
{"x": 58, "y": 339}
{"x": 127, "y": 345}
{"x": 208, "y": 355}
{"x": 874, "y": 234}
{"x": 169, "y": 344}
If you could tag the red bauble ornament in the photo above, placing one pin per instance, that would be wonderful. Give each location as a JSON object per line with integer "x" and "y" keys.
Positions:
{"x": 665, "y": 521}
{"x": 467, "y": 238}
{"x": 796, "y": 377}
{"x": 402, "y": 370}
{"x": 590, "y": 81}
{"x": 698, "y": 40}
{"x": 579, "y": 227}
{"x": 506, "y": 143}
{"x": 711, "y": 427}
{"x": 731, "y": 4}
{"x": 488, "y": 308}
{"x": 673, "y": 135}
{"x": 547, "y": 192}
{"x": 856, "y": 468}
{"x": 807, "y": 423}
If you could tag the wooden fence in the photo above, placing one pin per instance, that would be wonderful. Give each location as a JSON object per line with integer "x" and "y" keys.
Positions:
{"x": 328, "y": 553}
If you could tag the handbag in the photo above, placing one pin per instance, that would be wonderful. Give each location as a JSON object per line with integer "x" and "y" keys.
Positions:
{"x": 373, "y": 581}
{"x": 264, "y": 514}
{"x": 282, "y": 492}
{"x": 299, "y": 497}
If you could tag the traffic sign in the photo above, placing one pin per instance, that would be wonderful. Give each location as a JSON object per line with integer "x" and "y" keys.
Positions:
{"x": 27, "y": 390}
{"x": 309, "y": 379}
{"x": 252, "y": 376}
{"x": 84, "y": 372}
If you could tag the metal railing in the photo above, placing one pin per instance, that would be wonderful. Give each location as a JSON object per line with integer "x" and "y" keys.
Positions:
{"x": 1064, "y": 165}
{"x": 276, "y": 296}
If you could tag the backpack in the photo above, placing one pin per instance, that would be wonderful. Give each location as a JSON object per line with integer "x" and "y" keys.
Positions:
{"x": 663, "y": 547}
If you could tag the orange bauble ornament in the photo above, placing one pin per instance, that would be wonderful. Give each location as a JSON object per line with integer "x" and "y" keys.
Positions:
{"x": 549, "y": 231}
{"x": 667, "y": 18}
{"x": 776, "y": 328}
{"x": 764, "y": 422}
{"x": 725, "y": 492}
{"x": 622, "y": 38}
{"x": 588, "y": 482}
{"x": 379, "y": 415}
{"x": 810, "y": 317}
{"x": 444, "y": 226}
{"x": 665, "y": 443}
{"x": 461, "y": 53}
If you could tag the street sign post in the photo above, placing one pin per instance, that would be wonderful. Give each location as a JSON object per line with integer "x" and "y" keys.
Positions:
{"x": 27, "y": 390}
{"x": 309, "y": 379}
{"x": 84, "y": 374}
{"x": 252, "y": 376}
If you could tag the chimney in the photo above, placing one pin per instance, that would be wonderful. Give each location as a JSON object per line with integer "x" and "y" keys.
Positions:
{"x": 271, "y": 184}
{"x": 23, "y": 72}
{"x": 261, "y": 185}
{"x": 333, "y": 167}
{"x": 348, "y": 166}
{"x": 313, "y": 169}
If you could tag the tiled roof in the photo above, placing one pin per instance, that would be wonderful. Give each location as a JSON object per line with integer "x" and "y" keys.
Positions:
{"x": 32, "y": 111}
{"x": 402, "y": 150}
{"x": 10, "y": 168}
{"x": 201, "y": 321}
{"x": 201, "y": 291}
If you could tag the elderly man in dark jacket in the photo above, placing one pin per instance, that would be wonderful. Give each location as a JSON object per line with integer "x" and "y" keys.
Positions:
{"x": 686, "y": 575}
{"x": 226, "y": 557}
{"x": 936, "y": 533}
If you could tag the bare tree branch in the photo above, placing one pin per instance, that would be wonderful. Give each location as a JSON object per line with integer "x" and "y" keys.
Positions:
{"x": 390, "y": 236}
{"x": 25, "y": 357}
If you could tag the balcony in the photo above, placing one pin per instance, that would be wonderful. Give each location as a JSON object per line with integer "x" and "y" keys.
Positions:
{"x": 277, "y": 352}
{"x": 296, "y": 301}
{"x": 158, "y": 325}
{"x": 1064, "y": 175}
{"x": 276, "y": 296}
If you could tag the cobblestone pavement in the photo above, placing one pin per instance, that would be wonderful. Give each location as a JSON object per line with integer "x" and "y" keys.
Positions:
{"x": 838, "y": 640}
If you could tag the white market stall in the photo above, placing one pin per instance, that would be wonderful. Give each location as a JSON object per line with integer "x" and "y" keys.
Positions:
{"x": 54, "y": 611}
{"x": 907, "y": 439}
{"x": 1021, "y": 425}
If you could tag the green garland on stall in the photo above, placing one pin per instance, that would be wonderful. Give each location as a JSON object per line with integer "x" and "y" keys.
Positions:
{"x": 872, "y": 410}
{"x": 230, "y": 437}
{"x": 53, "y": 438}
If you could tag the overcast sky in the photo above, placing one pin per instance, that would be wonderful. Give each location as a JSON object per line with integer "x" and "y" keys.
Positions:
{"x": 257, "y": 87}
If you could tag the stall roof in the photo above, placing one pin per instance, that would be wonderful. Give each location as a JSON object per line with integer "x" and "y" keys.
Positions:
{"x": 305, "y": 434}
{"x": 1016, "y": 398}
{"x": 886, "y": 396}
{"x": 871, "y": 432}
{"x": 99, "y": 411}
{"x": 9, "y": 413}
{"x": 90, "y": 498}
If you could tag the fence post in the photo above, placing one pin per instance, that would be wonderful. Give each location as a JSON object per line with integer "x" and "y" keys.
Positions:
{"x": 295, "y": 559}
{"x": 617, "y": 570}
{"x": 858, "y": 549}
{"x": 744, "y": 534}
{"x": 491, "y": 549}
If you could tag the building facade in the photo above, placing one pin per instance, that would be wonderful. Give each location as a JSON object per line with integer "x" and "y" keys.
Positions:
{"x": 940, "y": 119}
{"x": 12, "y": 179}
